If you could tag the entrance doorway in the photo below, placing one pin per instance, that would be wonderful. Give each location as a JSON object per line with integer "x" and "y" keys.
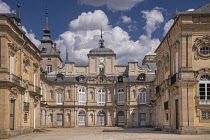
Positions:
{"x": 142, "y": 119}
{"x": 120, "y": 118}
{"x": 101, "y": 118}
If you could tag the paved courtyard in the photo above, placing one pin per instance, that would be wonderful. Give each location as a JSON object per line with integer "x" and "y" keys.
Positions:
{"x": 105, "y": 133}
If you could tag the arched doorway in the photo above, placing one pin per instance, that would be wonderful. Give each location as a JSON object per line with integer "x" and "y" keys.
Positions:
{"x": 120, "y": 118}
{"x": 81, "y": 118}
{"x": 101, "y": 118}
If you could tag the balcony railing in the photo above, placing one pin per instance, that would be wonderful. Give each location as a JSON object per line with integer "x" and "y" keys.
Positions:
{"x": 14, "y": 79}
{"x": 203, "y": 100}
{"x": 26, "y": 106}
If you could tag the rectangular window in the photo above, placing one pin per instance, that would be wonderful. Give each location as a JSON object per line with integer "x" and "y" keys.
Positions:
{"x": 120, "y": 98}
{"x": 166, "y": 116}
{"x": 49, "y": 68}
{"x": 142, "y": 119}
{"x": 205, "y": 115}
{"x": 142, "y": 98}
{"x": 82, "y": 98}
{"x": 11, "y": 64}
{"x": 167, "y": 96}
{"x": 26, "y": 117}
{"x": 176, "y": 63}
{"x": 59, "y": 99}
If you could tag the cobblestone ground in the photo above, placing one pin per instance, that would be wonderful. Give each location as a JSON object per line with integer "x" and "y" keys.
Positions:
{"x": 106, "y": 133}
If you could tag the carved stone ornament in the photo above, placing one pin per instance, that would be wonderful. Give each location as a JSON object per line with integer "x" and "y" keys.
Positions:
{"x": 36, "y": 67}
{"x": 199, "y": 44}
{"x": 14, "y": 93}
{"x": 200, "y": 72}
{"x": 13, "y": 47}
{"x": 36, "y": 99}
{"x": 26, "y": 62}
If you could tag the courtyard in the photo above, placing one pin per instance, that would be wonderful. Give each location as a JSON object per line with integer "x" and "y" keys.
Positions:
{"x": 105, "y": 133}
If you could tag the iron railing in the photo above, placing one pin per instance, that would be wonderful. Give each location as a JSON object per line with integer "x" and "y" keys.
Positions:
{"x": 15, "y": 79}
{"x": 26, "y": 106}
{"x": 203, "y": 100}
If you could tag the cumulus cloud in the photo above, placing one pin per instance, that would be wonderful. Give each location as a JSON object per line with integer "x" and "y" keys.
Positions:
{"x": 113, "y": 5}
{"x": 167, "y": 26}
{"x": 153, "y": 19}
{"x": 132, "y": 28}
{"x": 79, "y": 40}
{"x": 32, "y": 36}
{"x": 126, "y": 19}
{"x": 4, "y": 8}
{"x": 90, "y": 21}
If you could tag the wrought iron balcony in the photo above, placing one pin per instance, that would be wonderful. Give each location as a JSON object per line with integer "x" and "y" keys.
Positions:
{"x": 203, "y": 100}
{"x": 26, "y": 106}
{"x": 14, "y": 79}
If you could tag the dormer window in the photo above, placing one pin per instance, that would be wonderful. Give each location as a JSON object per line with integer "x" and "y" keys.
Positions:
{"x": 81, "y": 78}
{"x": 142, "y": 77}
{"x": 120, "y": 79}
{"x": 59, "y": 77}
{"x": 43, "y": 49}
{"x": 101, "y": 69}
{"x": 101, "y": 79}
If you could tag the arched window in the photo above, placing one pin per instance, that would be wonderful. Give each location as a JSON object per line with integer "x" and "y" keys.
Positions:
{"x": 101, "y": 98}
{"x": 82, "y": 97}
{"x": 101, "y": 118}
{"x": 120, "y": 97}
{"x": 204, "y": 89}
{"x": 142, "y": 77}
{"x": 81, "y": 118}
{"x": 59, "y": 77}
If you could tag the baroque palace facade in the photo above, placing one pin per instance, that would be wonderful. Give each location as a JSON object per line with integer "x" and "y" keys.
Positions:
{"x": 183, "y": 74}
{"x": 36, "y": 91}
{"x": 99, "y": 94}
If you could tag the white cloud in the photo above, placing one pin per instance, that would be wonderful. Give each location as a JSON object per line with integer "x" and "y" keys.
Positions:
{"x": 4, "y": 8}
{"x": 126, "y": 19}
{"x": 132, "y": 28}
{"x": 113, "y": 5}
{"x": 80, "y": 41}
{"x": 168, "y": 26}
{"x": 153, "y": 19}
{"x": 31, "y": 36}
{"x": 90, "y": 21}
{"x": 191, "y": 10}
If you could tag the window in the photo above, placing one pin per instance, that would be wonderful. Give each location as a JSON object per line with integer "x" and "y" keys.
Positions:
{"x": 49, "y": 68}
{"x": 43, "y": 50}
{"x": 142, "y": 119}
{"x": 120, "y": 97}
{"x": 59, "y": 99}
{"x": 101, "y": 101}
{"x": 142, "y": 77}
{"x": 82, "y": 97}
{"x": 26, "y": 117}
{"x": 81, "y": 118}
{"x": 120, "y": 79}
{"x": 11, "y": 64}
{"x": 49, "y": 59}
{"x": 205, "y": 50}
{"x": 101, "y": 69}
{"x": 166, "y": 116}
{"x": 81, "y": 78}
{"x": 205, "y": 115}
{"x": 59, "y": 77}
{"x": 142, "y": 98}
{"x": 204, "y": 89}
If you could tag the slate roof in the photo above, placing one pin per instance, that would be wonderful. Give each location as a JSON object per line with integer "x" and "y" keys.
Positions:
{"x": 101, "y": 51}
{"x": 202, "y": 10}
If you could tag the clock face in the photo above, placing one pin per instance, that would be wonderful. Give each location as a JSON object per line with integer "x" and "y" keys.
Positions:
{"x": 101, "y": 59}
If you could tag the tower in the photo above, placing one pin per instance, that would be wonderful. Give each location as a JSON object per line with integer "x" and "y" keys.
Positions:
{"x": 50, "y": 54}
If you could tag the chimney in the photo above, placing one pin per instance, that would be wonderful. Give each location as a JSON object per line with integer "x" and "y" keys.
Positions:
{"x": 55, "y": 47}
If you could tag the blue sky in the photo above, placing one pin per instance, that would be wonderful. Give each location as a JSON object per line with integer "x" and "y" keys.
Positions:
{"x": 132, "y": 28}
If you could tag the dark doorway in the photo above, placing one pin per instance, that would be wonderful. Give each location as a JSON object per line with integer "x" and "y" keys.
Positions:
{"x": 12, "y": 114}
{"x": 177, "y": 114}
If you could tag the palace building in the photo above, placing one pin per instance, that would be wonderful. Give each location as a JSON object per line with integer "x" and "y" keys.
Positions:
{"x": 19, "y": 79}
{"x": 99, "y": 94}
{"x": 183, "y": 74}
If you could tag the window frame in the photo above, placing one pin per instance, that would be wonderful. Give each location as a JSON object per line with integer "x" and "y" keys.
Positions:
{"x": 59, "y": 98}
{"x": 101, "y": 97}
{"x": 81, "y": 97}
{"x": 142, "y": 100}
{"x": 120, "y": 96}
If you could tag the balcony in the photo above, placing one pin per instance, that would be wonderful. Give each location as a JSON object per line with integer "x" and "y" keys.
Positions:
{"x": 203, "y": 100}
{"x": 14, "y": 79}
{"x": 26, "y": 106}
{"x": 37, "y": 90}
{"x": 173, "y": 79}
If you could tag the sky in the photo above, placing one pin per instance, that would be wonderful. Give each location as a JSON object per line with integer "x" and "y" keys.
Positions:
{"x": 131, "y": 28}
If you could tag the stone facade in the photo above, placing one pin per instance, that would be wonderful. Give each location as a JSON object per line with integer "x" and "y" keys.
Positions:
{"x": 183, "y": 74}
{"x": 19, "y": 79}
